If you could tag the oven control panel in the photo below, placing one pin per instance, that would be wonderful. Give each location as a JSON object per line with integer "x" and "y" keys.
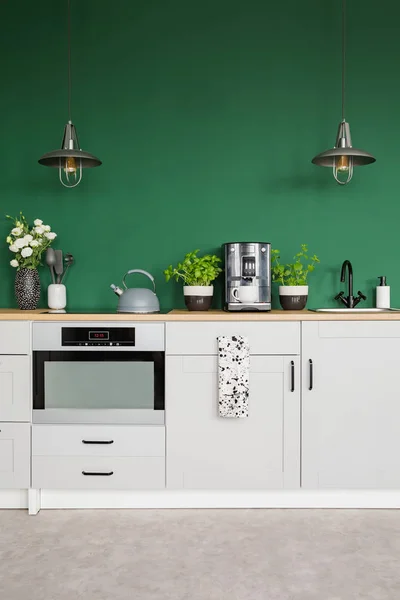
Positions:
{"x": 84, "y": 336}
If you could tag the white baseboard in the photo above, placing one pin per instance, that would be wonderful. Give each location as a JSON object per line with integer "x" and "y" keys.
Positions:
{"x": 13, "y": 499}
{"x": 65, "y": 499}
{"x": 221, "y": 499}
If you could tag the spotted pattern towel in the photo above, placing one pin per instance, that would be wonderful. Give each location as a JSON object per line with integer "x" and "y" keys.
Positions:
{"x": 233, "y": 376}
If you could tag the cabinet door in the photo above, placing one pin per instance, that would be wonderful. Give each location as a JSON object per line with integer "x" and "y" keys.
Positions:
{"x": 206, "y": 451}
{"x": 15, "y": 455}
{"x": 15, "y": 388}
{"x": 351, "y": 414}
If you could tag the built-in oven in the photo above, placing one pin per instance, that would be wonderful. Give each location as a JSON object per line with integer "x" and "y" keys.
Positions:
{"x": 98, "y": 373}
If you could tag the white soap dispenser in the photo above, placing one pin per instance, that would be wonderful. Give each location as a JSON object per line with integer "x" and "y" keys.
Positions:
{"x": 382, "y": 293}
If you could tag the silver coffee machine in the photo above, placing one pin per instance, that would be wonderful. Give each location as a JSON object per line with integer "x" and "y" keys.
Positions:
{"x": 247, "y": 276}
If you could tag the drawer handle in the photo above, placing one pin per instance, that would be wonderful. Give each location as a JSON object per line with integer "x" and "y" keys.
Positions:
{"x": 94, "y": 474}
{"x": 97, "y": 441}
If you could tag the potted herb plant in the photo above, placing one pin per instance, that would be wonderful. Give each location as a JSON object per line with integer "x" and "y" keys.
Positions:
{"x": 197, "y": 274}
{"x": 292, "y": 277}
{"x": 27, "y": 245}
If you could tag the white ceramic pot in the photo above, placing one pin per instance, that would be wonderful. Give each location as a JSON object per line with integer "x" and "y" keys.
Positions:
{"x": 198, "y": 297}
{"x": 56, "y": 296}
{"x": 293, "y": 297}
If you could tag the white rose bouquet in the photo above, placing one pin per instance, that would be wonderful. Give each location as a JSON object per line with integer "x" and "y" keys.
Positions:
{"x": 28, "y": 243}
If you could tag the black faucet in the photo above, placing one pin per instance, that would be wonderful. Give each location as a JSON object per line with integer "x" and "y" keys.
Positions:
{"x": 350, "y": 301}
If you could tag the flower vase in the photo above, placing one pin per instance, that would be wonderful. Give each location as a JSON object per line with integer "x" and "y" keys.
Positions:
{"x": 27, "y": 288}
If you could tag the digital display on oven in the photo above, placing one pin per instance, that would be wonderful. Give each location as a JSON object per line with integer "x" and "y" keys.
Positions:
{"x": 99, "y": 335}
{"x": 86, "y": 336}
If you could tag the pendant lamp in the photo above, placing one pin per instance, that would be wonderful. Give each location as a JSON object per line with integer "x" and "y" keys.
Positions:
{"x": 70, "y": 159}
{"x": 343, "y": 157}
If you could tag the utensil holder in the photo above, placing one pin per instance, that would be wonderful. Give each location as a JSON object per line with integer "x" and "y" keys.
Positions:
{"x": 56, "y": 296}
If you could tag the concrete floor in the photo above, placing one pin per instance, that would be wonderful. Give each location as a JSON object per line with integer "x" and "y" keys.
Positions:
{"x": 200, "y": 555}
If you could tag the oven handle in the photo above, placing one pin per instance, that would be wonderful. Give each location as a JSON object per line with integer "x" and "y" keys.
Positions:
{"x": 97, "y": 441}
{"x": 99, "y": 474}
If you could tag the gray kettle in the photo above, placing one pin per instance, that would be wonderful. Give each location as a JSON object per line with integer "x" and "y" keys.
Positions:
{"x": 137, "y": 300}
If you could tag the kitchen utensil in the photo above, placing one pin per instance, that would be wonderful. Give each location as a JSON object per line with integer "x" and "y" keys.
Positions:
{"x": 68, "y": 260}
{"x": 137, "y": 300}
{"x": 50, "y": 262}
{"x": 59, "y": 267}
{"x": 247, "y": 276}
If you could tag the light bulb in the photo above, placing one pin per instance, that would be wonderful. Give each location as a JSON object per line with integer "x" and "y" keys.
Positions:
{"x": 342, "y": 163}
{"x": 343, "y": 168}
{"x": 70, "y": 165}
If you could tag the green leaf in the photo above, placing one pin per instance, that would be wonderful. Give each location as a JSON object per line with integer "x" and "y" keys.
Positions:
{"x": 195, "y": 270}
{"x": 294, "y": 273}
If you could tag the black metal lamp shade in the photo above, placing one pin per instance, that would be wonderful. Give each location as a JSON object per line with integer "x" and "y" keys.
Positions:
{"x": 328, "y": 158}
{"x": 52, "y": 159}
{"x": 343, "y": 147}
{"x": 69, "y": 149}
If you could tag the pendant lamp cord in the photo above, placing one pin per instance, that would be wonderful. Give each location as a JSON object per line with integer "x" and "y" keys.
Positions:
{"x": 69, "y": 60}
{"x": 343, "y": 54}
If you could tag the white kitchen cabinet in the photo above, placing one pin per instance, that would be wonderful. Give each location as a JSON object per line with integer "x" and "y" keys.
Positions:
{"x": 351, "y": 405}
{"x": 15, "y": 448}
{"x": 205, "y": 451}
{"x": 15, "y": 388}
{"x": 98, "y": 457}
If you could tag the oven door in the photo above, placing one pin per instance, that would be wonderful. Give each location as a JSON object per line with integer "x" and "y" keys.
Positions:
{"x": 98, "y": 386}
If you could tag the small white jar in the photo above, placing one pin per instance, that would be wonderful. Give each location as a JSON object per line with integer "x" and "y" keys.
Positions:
{"x": 56, "y": 296}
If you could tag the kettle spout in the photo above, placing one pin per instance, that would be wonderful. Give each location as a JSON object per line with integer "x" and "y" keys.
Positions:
{"x": 117, "y": 290}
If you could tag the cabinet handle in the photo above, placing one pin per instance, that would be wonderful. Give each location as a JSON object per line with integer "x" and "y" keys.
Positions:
{"x": 97, "y": 441}
{"x": 292, "y": 375}
{"x": 90, "y": 473}
{"x": 311, "y": 374}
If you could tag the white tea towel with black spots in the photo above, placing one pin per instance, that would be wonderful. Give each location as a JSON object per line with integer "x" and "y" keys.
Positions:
{"x": 233, "y": 376}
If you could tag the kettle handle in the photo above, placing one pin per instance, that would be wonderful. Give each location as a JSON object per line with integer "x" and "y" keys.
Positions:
{"x": 143, "y": 273}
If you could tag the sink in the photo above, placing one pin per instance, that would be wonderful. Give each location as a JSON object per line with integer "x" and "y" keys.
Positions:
{"x": 355, "y": 310}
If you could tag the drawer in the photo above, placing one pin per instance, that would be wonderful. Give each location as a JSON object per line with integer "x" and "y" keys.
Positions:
{"x": 358, "y": 329}
{"x": 15, "y": 455}
{"x": 67, "y": 472}
{"x": 98, "y": 440}
{"x": 264, "y": 338}
{"x": 15, "y": 337}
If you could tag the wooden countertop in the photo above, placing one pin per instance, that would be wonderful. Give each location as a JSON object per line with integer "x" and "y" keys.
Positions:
{"x": 41, "y": 314}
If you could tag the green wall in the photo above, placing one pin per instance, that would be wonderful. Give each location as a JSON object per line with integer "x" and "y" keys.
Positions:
{"x": 206, "y": 115}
